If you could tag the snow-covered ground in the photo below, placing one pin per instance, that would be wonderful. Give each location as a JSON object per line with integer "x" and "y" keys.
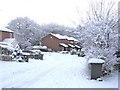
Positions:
{"x": 55, "y": 71}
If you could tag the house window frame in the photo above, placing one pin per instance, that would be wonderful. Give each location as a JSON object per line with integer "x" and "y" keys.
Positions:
{"x": 11, "y": 35}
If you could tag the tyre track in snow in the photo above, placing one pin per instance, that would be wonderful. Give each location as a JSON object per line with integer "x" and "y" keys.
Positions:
{"x": 19, "y": 79}
{"x": 12, "y": 72}
{"x": 60, "y": 70}
{"x": 6, "y": 75}
{"x": 42, "y": 73}
{"x": 56, "y": 75}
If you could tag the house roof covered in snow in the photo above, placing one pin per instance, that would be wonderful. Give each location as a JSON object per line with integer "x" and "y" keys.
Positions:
{"x": 77, "y": 46}
{"x": 71, "y": 45}
{"x": 58, "y": 36}
{"x": 71, "y": 38}
{"x": 64, "y": 37}
{"x": 95, "y": 60}
{"x": 5, "y": 30}
{"x": 64, "y": 45}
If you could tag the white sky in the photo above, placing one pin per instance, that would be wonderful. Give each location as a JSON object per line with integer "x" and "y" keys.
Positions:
{"x": 63, "y": 12}
{"x": 42, "y": 11}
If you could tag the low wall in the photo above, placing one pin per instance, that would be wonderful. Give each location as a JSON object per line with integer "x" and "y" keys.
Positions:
{"x": 5, "y": 57}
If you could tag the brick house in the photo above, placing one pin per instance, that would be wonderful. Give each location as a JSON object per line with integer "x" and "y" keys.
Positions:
{"x": 58, "y": 42}
{"x": 5, "y": 33}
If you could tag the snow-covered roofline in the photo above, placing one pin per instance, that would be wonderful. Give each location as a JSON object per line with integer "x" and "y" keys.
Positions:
{"x": 64, "y": 37}
{"x": 5, "y": 30}
{"x": 71, "y": 45}
{"x": 59, "y": 36}
{"x": 77, "y": 46}
{"x": 71, "y": 38}
{"x": 64, "y": 45}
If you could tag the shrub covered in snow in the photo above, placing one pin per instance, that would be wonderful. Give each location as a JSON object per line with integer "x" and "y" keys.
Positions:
{"x": 100, "y": 41}
{"x": 17, "y": 54}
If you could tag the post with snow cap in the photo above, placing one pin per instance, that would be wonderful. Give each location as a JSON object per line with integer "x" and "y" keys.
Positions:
{"x": 96, "y": 68}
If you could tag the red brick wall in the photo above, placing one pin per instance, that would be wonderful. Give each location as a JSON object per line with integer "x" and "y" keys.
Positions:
{"x": 52, "y": 42}
{"x": 64, "y": 41}
{"x": 0, "y": 36}
{"x": 4, "y": 35}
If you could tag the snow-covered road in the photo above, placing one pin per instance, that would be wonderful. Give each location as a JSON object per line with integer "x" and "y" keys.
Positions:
{"x": 55, "y": 71}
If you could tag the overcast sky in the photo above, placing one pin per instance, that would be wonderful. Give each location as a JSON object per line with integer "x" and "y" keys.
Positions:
{"x": 42, "y": 11}
{"x": 63, "y": 12}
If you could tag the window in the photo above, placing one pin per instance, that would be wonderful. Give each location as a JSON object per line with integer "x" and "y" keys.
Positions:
{"x": 10, "y": 35}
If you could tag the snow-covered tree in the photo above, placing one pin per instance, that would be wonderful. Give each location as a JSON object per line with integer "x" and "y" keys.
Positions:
{"x": 99, "y": 34}
{"x": 17, "y": 54}
{"x": 100, "y": 43}
{"x": 26, "y": 31}
{"x": 57, "y": 29}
